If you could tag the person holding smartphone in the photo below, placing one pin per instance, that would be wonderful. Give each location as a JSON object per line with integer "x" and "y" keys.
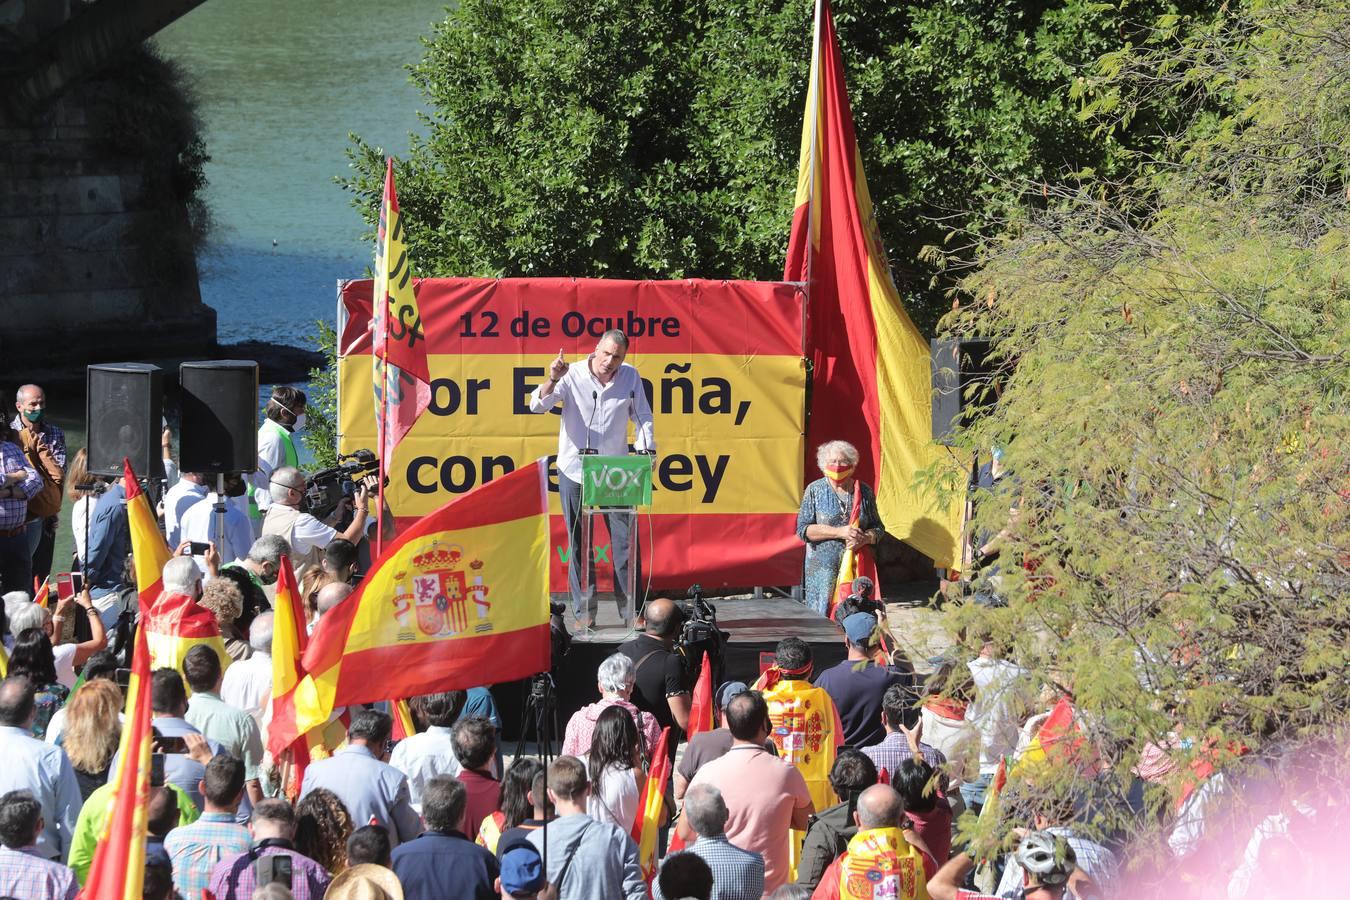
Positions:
{"x": 273, "y": 859}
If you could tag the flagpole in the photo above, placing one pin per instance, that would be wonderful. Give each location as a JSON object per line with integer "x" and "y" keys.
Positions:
{"x": 385, "y": 214}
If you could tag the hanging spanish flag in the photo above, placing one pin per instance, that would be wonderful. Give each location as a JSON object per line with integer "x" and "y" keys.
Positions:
{"x": 118, "y": 869}
{"x": 647, "y": 826}
{"x": 460, "y": 599}
{"x": 149, "y": 552}
{"x": 855, "y": 563}
{"x": 871, "y": 383}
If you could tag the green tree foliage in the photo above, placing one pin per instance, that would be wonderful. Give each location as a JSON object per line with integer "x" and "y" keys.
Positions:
{"x": 646, "y": 138}
{"x": 1174, "y": 405}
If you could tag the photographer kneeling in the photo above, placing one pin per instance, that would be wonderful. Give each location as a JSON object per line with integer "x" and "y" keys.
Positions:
{"x": 659, "y": 686}
{"x": 306, "y": 535}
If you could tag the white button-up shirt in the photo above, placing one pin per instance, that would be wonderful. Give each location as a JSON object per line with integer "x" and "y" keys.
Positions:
{"x": 424, "y": 756}
{"x": 596, "y": 415}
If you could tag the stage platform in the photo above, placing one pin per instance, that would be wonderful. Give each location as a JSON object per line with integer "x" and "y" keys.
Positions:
{"x": 755, "y": 625}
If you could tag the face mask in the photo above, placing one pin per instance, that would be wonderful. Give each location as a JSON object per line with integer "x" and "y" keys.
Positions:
{"x": 299, "y": 423}
{"x": 33, "y": 415}
{"x": 268, "y": 577}
{"x": 838, "y": 473}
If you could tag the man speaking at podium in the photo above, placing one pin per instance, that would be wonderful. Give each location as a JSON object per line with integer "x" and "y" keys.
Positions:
{"x": 599, "y": 398}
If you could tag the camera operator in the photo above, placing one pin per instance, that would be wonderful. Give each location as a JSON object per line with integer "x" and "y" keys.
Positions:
{"x": 660, "y": 687}
{"x": 306, "y": 535}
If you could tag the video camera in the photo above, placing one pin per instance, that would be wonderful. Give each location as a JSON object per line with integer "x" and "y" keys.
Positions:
{"x": 699, "y": 634}
{"x": 325, "y": 489}
{"x": 860, "y": 599}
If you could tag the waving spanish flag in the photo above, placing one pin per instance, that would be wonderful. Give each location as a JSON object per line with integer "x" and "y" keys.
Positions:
{"x": 149, "y": 552}
{"x": 871, "y": 384}
{"x": 174, "y": 624}
{"x": 118, "y": 869}
{"x": 647, "y": 826}
{"x": 458, "y": 600}
{"x": 293, "y": 754}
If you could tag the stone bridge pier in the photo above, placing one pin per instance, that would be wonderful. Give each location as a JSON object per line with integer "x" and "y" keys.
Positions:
{"x": 100, "y": 175}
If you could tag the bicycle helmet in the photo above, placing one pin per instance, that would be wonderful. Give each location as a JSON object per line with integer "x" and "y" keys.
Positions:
{"x": 1047, "y": 860}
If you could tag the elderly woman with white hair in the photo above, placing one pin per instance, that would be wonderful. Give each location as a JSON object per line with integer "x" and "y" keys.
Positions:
{"x": 823, "y": 521}
{"x": 615, "y": 680}
{"x": 69, "y": 656}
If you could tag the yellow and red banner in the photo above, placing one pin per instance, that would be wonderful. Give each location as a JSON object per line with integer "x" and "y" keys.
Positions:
{"x": 174, "y": 624}
{"x": 399, "y": 374}
{"x": 149, "y": 552}
{"x": 871, "y": 379}
{"x": 118, "y": 869}
{"x": 647, "y": 826}
{"x": 460, "y": 599}
{"x": 722, "y": 366}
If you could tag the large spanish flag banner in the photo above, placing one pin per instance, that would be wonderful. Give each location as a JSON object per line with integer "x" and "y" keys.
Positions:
{"x": 722, "y": 367}
{"x": 174, "y": 624}
{"x": 459, "y": 599}
{"x": 871, "y": 382}
{"x": 149, "y": 553}
{"x": 118, "y": 869}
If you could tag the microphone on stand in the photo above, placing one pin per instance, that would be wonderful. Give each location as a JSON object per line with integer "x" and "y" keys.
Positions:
{"x": 595, "y": 405}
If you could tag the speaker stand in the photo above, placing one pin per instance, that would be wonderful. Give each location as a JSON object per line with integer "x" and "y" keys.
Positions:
{"x": 219, "y": 509}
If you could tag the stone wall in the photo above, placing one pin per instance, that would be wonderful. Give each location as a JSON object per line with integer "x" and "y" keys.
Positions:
{"x": 97, "y": 249}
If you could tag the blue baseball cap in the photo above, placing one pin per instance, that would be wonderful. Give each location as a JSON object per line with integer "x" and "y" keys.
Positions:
{"x": 728, "y": 690}
{"x": 859, "y": 628}
{"x": 522, "y": 870}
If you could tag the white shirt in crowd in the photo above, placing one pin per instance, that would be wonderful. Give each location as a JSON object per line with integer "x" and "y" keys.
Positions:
{"x": 177, "y": 499}
{"x": 247, "y": 685}
{"x": 65, "y": 664}
{"x": 271, "y": 456}
{"x": 424, "y": 756}
{"x": 596, "y": 415}
{"x": 199, "y": 524}
{"x": 1001, "y": 694}
{"x": 615, "y": 798}
{"x": 81, "y": 520}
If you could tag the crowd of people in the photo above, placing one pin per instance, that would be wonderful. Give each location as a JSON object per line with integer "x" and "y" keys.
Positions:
{"x": 844, "y": 782}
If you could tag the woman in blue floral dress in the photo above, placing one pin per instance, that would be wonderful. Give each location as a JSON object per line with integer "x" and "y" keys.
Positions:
{"x": 822, "y": 521}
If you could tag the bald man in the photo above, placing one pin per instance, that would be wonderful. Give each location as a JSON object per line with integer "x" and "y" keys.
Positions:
{"x": 331, "y": 594}
{"x": 660, "y": 688}
{"x": 893, "y": 865}
{"x": 44, "y": 444}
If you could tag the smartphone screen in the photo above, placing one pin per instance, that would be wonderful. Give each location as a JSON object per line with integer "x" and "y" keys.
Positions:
{"x": 172, "y": 744}
{"x": 77, "y": 581}
{"x": 199, "y": 548}
{"x": 273, "y": 869}
{"x": 123, "y": 677}
{"x": 156, "y": 769}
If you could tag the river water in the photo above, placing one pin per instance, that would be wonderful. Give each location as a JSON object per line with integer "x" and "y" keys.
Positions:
{"x": 280, "y": 86}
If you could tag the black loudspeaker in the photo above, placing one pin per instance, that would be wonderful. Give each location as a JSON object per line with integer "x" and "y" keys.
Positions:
{"x": 124, "y": 416}
{"x": 957, "y": 365}
{"x": 220, "y": 416}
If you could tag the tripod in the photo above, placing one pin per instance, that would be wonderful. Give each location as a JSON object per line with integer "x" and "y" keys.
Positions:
{"x": 540, "y": 709}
